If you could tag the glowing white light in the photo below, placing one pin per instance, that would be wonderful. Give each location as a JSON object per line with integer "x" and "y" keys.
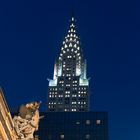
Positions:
{"x": 53, "y": 82}
{"x": 55, "y": 71}
{"x": 73, "y": 110}
{"x": 98, "y": 121}
{"x": 72, "y": 25}
{"x": 75, "y": 46}
{"x": 65, "y": 46}
{"x": 84, "y": 70}
{"x": 70, "y": 45}
{"x": 78, "y": 71}
{"x": 60, "y": 70}
{"x": 83, "y": 82}
{"x": 73, "y": 103}
{"x": 72, "y": 18}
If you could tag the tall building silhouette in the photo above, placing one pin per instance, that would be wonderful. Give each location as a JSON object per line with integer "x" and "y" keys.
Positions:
{"x": 69, "y": 88}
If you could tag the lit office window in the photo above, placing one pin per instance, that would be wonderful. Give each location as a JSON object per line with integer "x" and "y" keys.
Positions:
{"x": 88, "y": 122}
{"x": 62, "y": 136}
{"x": 73, "y": 110}
{"x": 87, "y": 136}
{"x": 67, "y": 85}
{"x": 98, "y": 121}
{"x": 73, "y": 102}
{"x": 77, "y": 122}
{"x": 74, "y": 95}
{"x": 65, "y": 44}
{"x": 70, "y": 45}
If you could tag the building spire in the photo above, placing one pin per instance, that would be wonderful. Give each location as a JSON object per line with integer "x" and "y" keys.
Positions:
{"x": 72, "y": 7}
{"x": 72, "y": 28}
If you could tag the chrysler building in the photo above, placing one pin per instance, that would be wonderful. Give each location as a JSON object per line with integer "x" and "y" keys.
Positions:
{"x": 69, "y": 88}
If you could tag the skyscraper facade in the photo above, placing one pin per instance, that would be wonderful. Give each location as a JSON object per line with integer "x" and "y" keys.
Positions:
{"x": 69, "y": 88}
{"x": 74, "y": 126}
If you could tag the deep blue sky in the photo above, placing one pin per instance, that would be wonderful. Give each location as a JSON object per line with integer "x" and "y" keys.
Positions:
{"x": 31, "y": 33}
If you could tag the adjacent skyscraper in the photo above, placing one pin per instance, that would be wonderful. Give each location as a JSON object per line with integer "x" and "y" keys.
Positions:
{"x": 69, "y": 88}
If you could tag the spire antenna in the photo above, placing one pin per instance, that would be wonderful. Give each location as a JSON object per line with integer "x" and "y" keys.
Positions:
{"x": 72, "y": 7}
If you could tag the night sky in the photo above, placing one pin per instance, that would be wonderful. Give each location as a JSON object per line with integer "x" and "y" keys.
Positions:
{"x": 31, "y": 34}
